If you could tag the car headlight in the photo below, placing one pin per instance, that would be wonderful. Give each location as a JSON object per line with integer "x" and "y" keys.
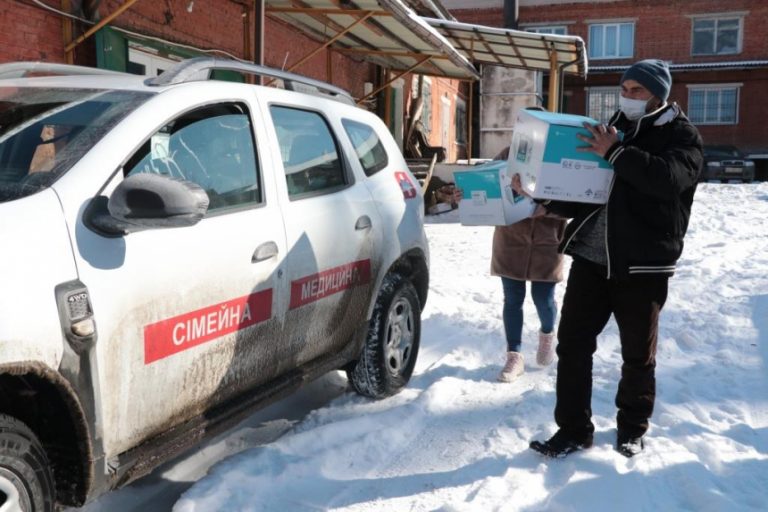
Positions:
{"x": 749, "y": 164}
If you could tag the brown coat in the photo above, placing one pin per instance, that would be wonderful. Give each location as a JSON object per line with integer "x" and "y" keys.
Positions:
{"x": 527, "y": 250}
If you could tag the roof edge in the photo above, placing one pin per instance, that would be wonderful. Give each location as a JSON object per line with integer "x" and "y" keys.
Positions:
{"x": 422, "y": 28}
{"x": 690, "y": 66}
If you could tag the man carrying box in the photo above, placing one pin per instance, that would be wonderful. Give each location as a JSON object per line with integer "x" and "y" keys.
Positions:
{"x": 623, "y": 254}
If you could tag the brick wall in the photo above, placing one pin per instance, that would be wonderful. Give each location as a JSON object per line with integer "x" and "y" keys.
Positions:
{"x": 486, "y": 16}
{"x": 211, "y": 24}
{"x": 662, "y": 27}
{"x": 284, "y": 47}
{"x": 28, "y": 32}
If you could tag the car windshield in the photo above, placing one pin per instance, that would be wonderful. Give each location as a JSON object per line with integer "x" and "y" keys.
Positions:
{"x": 45, "y": 131}
{"x": 721, "y": 152}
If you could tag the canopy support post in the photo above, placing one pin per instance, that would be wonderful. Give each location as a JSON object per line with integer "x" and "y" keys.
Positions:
{"x": 554, "y": 81}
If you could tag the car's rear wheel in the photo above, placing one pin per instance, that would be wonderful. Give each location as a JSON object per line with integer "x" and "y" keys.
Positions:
{"x": 26, "y": 480}
{"x": 392, "y": 344}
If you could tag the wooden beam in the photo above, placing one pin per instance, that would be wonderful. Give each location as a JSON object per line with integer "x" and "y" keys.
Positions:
{"x": 470, "y": 120}
{"x": 329, "y": 42}
{"x": 554, "y": 81}
{"x": 376, "y": 91}
{"x": 120, "y": 10}
{"x": 258, "y": 36}
{"x": 388, "y": 103}
{"x": 517, "y": 51}
{"x": 490, "y": 51}
{"x": 66, "y": 31}
{"x": 325, "y": 10}
{"x": 385, "y": 53}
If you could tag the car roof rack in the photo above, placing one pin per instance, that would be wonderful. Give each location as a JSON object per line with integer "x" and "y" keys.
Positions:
{"x": 190, "y": 70}
{"x": 26, "y": 68}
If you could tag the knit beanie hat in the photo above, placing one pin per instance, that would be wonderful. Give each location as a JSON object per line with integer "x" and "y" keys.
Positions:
{"x": 653, "y": 74}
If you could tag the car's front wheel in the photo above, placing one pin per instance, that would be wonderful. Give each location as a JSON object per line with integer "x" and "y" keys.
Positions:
{"x": 392, "y": 344}
{"x": 26, "y": 481}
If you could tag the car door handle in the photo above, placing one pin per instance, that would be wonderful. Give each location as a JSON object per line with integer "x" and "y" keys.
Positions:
{"x": 264, "y": 252}
{"x": 363, "y": 222}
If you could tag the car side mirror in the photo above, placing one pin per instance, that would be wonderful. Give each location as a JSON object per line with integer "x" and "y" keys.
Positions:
{"x": 147, "y": 201}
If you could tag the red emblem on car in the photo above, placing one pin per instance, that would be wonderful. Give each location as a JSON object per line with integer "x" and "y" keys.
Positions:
{"x": 406, "y": 185}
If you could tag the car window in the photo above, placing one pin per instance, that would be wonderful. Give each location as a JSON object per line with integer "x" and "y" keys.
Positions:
{"x": 212, "y": 147}
{"x": 309, "y": 151}
{"x": 45, "y": 131}
{"x": 370, "y": 151}
{"x": 716, "y": 152}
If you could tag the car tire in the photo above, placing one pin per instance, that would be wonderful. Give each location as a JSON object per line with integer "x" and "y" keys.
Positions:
{"x": 392, "y": 344}
{"x": 26, "y": 480}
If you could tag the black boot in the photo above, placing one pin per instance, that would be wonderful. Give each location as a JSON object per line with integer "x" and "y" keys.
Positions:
{"x": 629, "y": 445}
{"x": 561, "y": 444}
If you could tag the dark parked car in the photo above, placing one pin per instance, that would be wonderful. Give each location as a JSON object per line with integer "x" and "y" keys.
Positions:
{"x": 725, "y": 163}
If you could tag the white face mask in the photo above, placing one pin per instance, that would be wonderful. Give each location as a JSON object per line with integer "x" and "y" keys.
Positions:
{"x": 633, "y": 109}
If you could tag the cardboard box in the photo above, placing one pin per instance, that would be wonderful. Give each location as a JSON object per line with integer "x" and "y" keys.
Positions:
{"x": 488, "y": 198}
{"x": 543, "y": 152}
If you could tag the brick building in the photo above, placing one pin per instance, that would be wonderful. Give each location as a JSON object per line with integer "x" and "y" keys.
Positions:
{"x": 148, "y": 36}
{"x": 718, "y": 53}
{"x": 157, "y": 33}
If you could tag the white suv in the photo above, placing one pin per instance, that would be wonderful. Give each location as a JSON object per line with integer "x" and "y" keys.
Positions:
{"x": 177, "y": 251}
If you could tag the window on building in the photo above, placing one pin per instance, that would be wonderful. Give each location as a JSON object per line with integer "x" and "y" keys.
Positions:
{"x": 602, "y": 102}
{"x": 559, "y": 30}
{"x": 119, "y": 52}
{"x": 713, "y": 105}
{"x": 716, "y": 36}
{"x": 461, "y": 121}
{"x": 141, "y": 61}
{"x": 611, "y": 40}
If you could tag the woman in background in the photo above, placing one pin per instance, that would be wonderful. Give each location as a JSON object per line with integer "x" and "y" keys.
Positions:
{"x": 527, "y": 251}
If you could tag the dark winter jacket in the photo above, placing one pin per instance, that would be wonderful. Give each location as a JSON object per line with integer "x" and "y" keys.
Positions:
{"x": 656, "y": 167}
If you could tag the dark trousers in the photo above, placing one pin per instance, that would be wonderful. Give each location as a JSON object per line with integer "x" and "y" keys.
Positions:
{"x": 589, "y": 301}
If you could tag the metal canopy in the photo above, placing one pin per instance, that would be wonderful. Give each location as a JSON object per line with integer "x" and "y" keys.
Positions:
{"x": 385, "y": 32}
{"x": 515, "y": 48}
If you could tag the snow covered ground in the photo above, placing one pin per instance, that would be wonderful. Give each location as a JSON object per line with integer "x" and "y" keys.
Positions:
{"x": 457, "y": 440}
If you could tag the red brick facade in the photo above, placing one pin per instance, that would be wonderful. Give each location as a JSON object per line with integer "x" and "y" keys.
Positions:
{"x": 29, "y": 32}
{"x": 663, "y": 29}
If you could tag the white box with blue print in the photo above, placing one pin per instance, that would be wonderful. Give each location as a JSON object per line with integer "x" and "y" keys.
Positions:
{"x": 544, "y": 153}
{"x": 488, "y": 198}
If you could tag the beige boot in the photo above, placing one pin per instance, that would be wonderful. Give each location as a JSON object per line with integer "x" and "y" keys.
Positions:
{"x": 514, "y": 367}
{"x": 546, "y": 352}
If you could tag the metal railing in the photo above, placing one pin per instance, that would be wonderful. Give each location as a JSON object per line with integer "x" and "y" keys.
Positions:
{"x": 199, "y": 68}
{"x": 189, "y": 70}
{"x": 22, "y": 69}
